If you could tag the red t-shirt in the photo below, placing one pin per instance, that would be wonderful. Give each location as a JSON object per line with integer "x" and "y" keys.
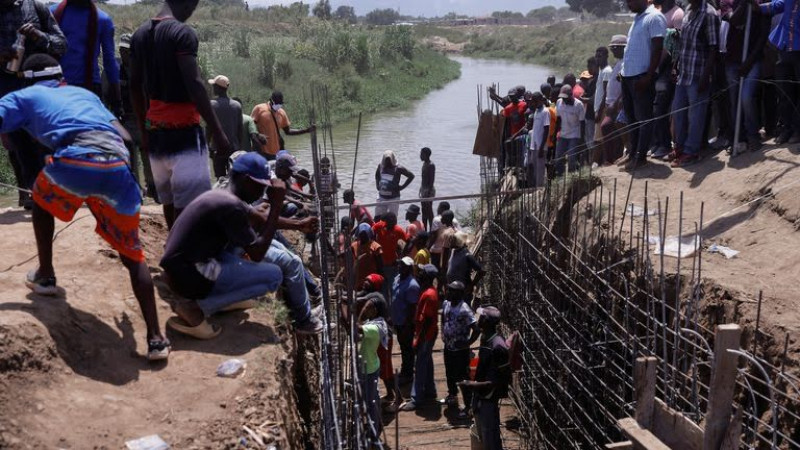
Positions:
{"x": 388, "y": 239}
{"x": 427, "y": 308}
{"x": 515, "y": 113}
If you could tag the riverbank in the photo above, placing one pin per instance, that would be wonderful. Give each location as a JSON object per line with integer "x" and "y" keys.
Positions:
{"x": 563, "y": 46}
{"x": 365, "y": 69}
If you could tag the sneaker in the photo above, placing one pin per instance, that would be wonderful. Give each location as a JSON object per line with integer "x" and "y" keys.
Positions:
{"x": 719, "y": 143}
{"x": 158, "y": 349}
{"x": 673, "y": 155}
{"x": 408, "y": 406}
{"x": 450, "y": 401}
{"x": 685, "y": 160}
{"x": 391, "y": 408}
{"x": 661, "y": 152}
{"x": 41, "y": 285}
{"x": 310, "y": 326}
{"x": 783, "y": 137}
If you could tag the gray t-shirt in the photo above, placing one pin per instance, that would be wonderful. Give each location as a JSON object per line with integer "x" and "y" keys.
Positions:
{"x": 229, "y": 113}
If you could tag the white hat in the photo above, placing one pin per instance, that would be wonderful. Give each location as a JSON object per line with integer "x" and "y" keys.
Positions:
{"x": 407, "y": 261}
{"x": 221, "y": 81}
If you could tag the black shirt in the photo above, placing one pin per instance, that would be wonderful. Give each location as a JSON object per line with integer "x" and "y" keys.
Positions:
{"x": 213, "y": 221}
{"x": 493, "y": 366}
{"x": 155, "y": 46}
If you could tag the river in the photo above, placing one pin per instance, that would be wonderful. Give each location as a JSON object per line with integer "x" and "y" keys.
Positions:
{"x": 445, "y": 120}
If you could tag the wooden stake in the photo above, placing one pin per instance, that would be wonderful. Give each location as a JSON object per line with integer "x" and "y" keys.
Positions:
{"x": 644, "y": 381}
{"x": 723, "y": 382}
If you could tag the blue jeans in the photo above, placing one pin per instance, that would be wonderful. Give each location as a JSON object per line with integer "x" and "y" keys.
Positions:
{"x": 788, "y": 69}
{"x": 749, "y": 104}
{"x": 689, "y": 123}
{"x": 487, "y": 420}
{"x": 372, "y": 400}
{"x": 240, "y": 280}
{"x": 638, "y": 107}
{"x": 424, "y": 387}
{"x": 566, "y": 146}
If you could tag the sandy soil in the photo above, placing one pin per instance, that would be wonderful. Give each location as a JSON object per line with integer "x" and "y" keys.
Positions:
{"x": 72, "y": 371}
{"x": 751, "y": 204}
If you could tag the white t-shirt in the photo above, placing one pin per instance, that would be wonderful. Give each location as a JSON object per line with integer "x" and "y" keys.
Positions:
{"x": 541, "y": 119}
{"x": 605, "y": 75}
{"x": 571, "y": 118}
{"x": 614, "y": 85}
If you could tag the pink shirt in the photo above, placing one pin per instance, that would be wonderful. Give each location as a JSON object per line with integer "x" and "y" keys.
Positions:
{"x": 413, "y": 228}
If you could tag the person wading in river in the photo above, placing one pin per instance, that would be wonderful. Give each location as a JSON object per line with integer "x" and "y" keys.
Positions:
{"x": 427, "y": 190}
{"x": 387, "y": 182}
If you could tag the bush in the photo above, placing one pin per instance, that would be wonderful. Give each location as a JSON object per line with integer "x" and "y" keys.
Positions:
{"x": 267, "y": 58}
{"x": 283, "y": 69}
{"x": 397, "y": 41}
{"x": 241, "y": 45}
{"x": 362, "y": 59}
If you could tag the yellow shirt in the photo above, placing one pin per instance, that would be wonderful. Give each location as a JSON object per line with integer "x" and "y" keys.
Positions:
{"x": 263, "y": 117}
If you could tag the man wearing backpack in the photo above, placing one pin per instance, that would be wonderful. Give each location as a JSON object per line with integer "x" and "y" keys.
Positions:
{"x": 492, "y": 378}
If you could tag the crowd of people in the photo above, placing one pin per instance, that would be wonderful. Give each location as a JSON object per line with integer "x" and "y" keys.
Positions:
{"x": 671, "y": 91}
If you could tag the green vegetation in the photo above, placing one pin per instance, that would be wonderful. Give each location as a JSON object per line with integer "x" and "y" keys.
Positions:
{"x": 563, "y": 46}
{"x": 364, "y": 69}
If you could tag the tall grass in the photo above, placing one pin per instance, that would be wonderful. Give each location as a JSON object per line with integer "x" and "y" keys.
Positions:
{"x": 563, "y": 46}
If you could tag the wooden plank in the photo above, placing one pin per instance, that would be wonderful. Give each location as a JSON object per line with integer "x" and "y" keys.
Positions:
{"x": 624, "y": 445}
{"x": 734, "y": 432}
{"x": 642, "y": 439}
{"x": 723, "y": 383}
{"x": 675, "y": 429}
{"x": 644, "y": 382}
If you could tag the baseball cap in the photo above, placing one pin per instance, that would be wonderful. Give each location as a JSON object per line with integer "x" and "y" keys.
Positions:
{"x": 253, "y": 165}
{"x": 586, "y": 74}
{"x": 428, "y": 269}
{"x": 125, "y": 41}
{"x": 618, "y": 40}
{"x": 285, "y": 160}
{"x": 406, "y": 260}
{"x": 221, "y": 81}
{"x": 376, "y": 281}
{"x": 565, "y": 92}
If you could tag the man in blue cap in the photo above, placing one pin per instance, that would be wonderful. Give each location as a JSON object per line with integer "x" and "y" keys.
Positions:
{"x": 221, "y": 253}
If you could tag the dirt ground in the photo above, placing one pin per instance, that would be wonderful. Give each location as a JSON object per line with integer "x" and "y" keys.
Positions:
{"x": 751, "y": 204}
{"x": 72, "y": 371}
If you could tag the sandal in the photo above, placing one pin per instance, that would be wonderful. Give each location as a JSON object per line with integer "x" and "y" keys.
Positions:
{"x": 672, "y": 156}
{"x": 158, "y": 349}
{"x": 203, "y": 331}
{"x": 41, "y": 285}
{"x": 240, "y": 306}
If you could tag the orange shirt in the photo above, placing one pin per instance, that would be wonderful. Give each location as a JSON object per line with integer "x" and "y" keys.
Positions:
{"x": 551, "y": 140}
{"x": 263, "y": 117}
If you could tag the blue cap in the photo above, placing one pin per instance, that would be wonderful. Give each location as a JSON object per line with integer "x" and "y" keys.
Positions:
{"x": 429, "y": 270}
{"x": 253, "y": 165}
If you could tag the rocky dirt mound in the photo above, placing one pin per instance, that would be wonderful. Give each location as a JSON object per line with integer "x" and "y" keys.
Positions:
{"x": 72, "y": 371}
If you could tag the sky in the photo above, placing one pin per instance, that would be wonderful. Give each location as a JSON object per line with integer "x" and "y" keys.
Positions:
{"x": 432, "y": 8}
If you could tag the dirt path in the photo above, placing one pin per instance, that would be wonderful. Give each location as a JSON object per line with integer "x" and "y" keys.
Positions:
{"x": 435, "y": 427}
{"x": 72, "y": 374}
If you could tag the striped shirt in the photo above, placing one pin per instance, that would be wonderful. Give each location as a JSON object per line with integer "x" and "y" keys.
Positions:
{"x": 646, "y": 26}
{"x": 699, "y": 37}
{"x": 786, "y": 36}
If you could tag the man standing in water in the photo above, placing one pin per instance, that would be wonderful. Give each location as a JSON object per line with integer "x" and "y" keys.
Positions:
{"x": 387, "y": 182}
{"x": 427, "y": 190}
{"x": 169, "y": 98}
